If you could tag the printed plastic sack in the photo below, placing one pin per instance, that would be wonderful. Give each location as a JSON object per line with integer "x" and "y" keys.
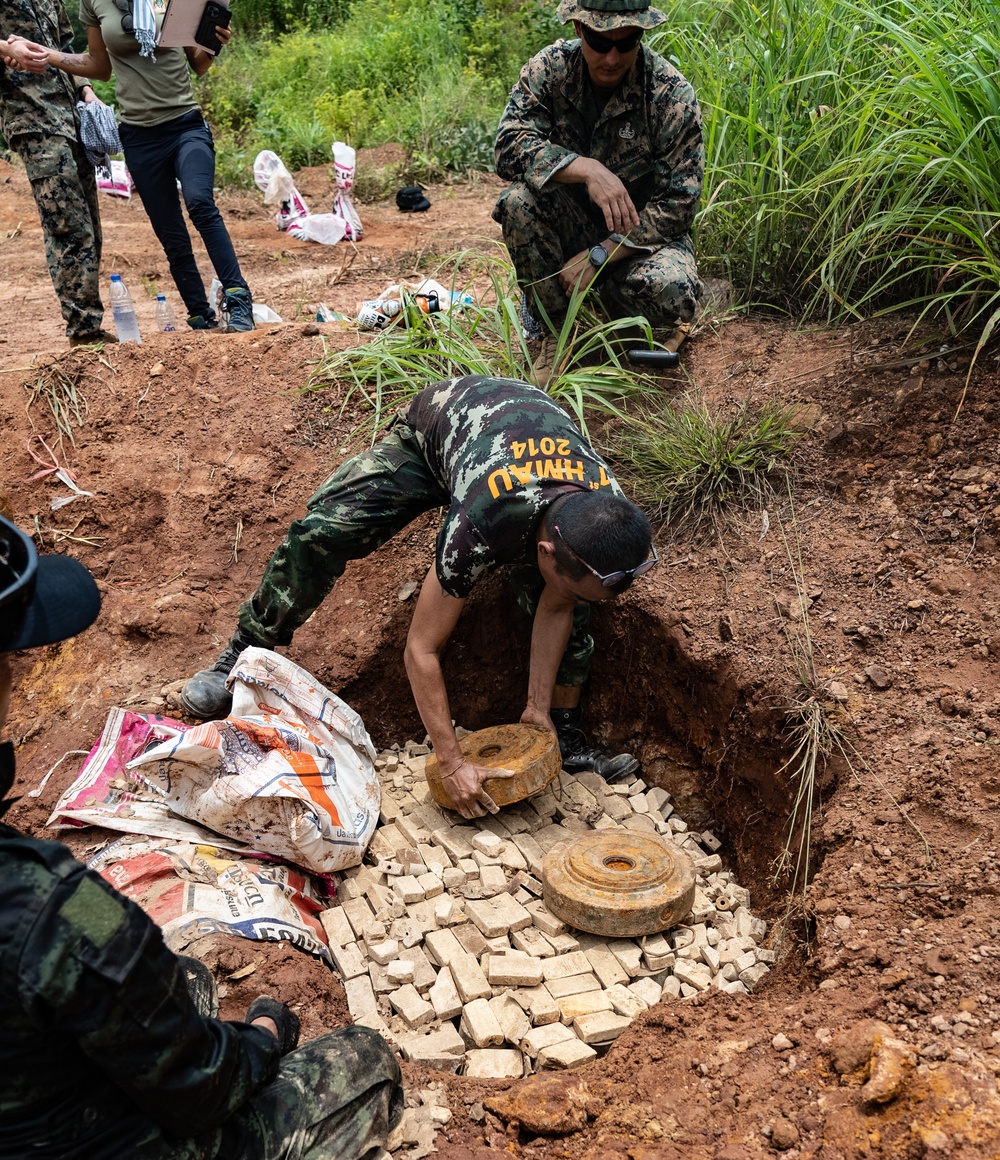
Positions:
{"x": 344, "y": 160}
{"x": 289, "y": 773}
{"x": 325, "y": 228}
{"x": 273, "y": 178}
{"x": 191, "y": 890}
{"x": 115, "y": 180}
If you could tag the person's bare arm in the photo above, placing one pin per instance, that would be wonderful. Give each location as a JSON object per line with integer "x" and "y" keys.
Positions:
{"x": 578, "y": 272}
{"x": 24, "y": 54}
{"x": 605, "y": 190}
{"x": 200, "y": 60}
{"x": 549, "y": 633}
{"x": 94, "y": 63}
{"x": 434, "y": 620}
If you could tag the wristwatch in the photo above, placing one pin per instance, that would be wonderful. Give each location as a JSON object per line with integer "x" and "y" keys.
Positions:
{"x": 598, "y": 256}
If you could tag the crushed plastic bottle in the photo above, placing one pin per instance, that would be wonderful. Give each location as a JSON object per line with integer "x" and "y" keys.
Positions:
{"x": 126, "y": 323}
{"x": 165, "y": 314}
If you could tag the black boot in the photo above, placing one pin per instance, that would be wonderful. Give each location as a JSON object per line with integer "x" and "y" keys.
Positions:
{"x": 579, "y": 755}
{"x": 205, "y": 694}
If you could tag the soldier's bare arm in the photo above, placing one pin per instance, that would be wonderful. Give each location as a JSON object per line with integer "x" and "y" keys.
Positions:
{"x": 549, "y": 633}
{"x": 605, "y": 190}
{"x": 94, "y": 63}
{"x": 24, "y": 54}
{"x": 434, "y": 620}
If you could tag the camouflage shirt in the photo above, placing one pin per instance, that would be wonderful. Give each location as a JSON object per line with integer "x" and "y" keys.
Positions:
{"x": 648, "y": 134}
{"x": 103, "y": 1053}
{"x": 503, "y": 451}
{"x": 37, "y": 102}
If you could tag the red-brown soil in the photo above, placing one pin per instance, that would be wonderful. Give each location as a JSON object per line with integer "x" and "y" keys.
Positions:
{"x": 196, "y": 470}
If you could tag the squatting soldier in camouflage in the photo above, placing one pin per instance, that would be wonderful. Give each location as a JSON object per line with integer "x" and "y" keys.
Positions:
{"x": 601, "y": 139}
{"x": 110, "y": 1046}
{"x": 523, "y": 489}
{"x": 39, "y": 122}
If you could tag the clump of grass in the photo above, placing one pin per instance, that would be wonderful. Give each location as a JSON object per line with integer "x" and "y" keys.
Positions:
{"x": 691, "y": 466}
{"x": 486, "y": 338}
{"x": 57, "y": 384}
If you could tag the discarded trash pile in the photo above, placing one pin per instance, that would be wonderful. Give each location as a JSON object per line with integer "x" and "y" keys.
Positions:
{"x": 446, "y": 946}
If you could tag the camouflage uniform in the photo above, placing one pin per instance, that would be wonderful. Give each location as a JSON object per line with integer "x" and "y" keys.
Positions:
{"x": 104, "y": 1055}
{"x": 649, "y": 135}
{"x": 39, "y": 122}
{"x": 494, "y": 452}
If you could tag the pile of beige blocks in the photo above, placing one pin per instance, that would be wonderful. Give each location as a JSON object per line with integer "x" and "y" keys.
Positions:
{"x": 446, "y": 947}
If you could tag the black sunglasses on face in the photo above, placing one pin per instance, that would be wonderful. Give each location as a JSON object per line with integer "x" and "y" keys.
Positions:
{"x": 612, "y": 578}
{"x": 603, "y": 45}
{"x": 126, "y": 7}
{"x": 18, "y": 565}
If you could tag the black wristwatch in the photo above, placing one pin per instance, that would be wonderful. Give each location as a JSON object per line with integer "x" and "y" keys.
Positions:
{"x": 598, "y": 256}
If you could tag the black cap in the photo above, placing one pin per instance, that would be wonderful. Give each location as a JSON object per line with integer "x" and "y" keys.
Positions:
{"x": 410, "y": 199}
{"x": 43, "y": 599}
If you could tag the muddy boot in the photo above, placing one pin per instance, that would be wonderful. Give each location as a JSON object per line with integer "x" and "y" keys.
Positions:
{"x": 237, "y": 310}
{"x": 543, "y": 362}
{"x": 579, "y": 755}
{"x": 205, "y": 694}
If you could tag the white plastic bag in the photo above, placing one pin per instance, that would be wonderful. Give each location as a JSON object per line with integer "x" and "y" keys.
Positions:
{"x": 344, "y": 161}
{"x": 325, "y": 228}
{"x": 273, "y": 178}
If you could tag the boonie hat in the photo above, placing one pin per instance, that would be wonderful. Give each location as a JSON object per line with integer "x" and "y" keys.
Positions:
{"x": 410, "y": 199}
{"x": 603, "y": 15}
{"x": 43, "y": 599}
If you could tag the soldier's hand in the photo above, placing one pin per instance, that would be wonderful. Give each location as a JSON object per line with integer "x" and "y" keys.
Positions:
{"x": 464, "y": 785}
{"x": 532, "y": 716}
{"x": 609, "y": 194}
{"x": 26, "y": 55}
{"x": 577, "y": 273}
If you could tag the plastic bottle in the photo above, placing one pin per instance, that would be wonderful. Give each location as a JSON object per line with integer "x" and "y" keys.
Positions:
{"x": 126, "y": 324}
{"x": 165, "y": 314}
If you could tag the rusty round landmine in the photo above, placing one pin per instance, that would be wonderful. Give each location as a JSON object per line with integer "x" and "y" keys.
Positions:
{"x": 621, "y": 884}
{"x": 532, "y": 753}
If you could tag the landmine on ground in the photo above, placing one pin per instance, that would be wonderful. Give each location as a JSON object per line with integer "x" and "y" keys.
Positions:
{"x": 445, "y": 945}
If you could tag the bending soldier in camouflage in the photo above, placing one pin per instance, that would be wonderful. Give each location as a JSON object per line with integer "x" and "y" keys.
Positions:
{"x": 112, "y": 1047}
{"x": 601, "y": 139}
{"x": 39, "y": 122}
{"x": 523, "y": 489}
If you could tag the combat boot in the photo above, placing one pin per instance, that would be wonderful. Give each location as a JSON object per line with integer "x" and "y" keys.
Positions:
{"x": 543, "y": 362}
{"x": 205, "y": 694}
{"x": 237, "y": 309}
{"x": 579, "y": 755}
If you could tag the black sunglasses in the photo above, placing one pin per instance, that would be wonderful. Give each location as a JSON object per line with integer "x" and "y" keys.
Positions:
{"x": 126, "y": 7}
{"x": 18, "y": 565}
{"x": 603, "y": 45}
{"x": 613, "y": 578}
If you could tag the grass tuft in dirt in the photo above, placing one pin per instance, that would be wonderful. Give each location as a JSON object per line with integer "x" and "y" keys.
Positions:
{"x": 487, "y": 339}
{"x": 57, "y": 384}
{"x": 692, "y": 466}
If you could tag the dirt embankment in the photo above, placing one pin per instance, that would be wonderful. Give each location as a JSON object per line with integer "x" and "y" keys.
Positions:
{"x": 200, "y": 450}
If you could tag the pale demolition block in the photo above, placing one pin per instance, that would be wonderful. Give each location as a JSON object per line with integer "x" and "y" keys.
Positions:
{"x": 544, "y": 919}
{"x": 470, "y": 866}
{"x": 627, "y": 954}
{"x": 563, "y": 944}
{"x": 641, "y": 822}
{"x": 753, "y": 975}
{"x": 492, "y": 880}
{"x": 446, "y": 912}
{"x": 710, "y": 865}
{"x": 639, "y": 804}
{"x": 480, "y": 1025}
{"x": 695, "y": 975}
{"x": 498, "y": 946}
{"x": 710, "y": 957}
{"x": 538, "y": 1038}
{"x": 744, "y": 962}
{"x": 589, "y": 1003}
{"x": 453, "y": 877}
{"x": 423, "y": 973}
{"x": 710, "y": 841}
{"x": 411, "y": 829}
{"x": 568, "y": 1054}
{"x": 600, "y": 1027}
{"x": 647, "y": 990}
{"x": 617, "y": 808}
{"x": 624, "y": 1000}
{"x": 657, "y": 952}
{"x": 562, "y": 966}
{"x": 360, "y": 998}
{"x": 606, "y": 967}
{"x": 515, "y": 969}
{"x": 469, "y": 979}
{"x": 471, "y": 939}
{"x": 551, "y": 835}
{"x": 512, "y": 1019}
{"x": 657, "y": 797}
{"x": 359, "y": 914}
{"x": 399, "y": 971}
{"x": 444, "y": 996}
{"x": 494, "y": 1063}
{"x": 455, "y": 842}
{"x": 442, "y": 1048}
{"x": 408, "y": 1003}
{"x": 408, "y": 888}
{"x": 338, "y": 930}
{"x": 532, "y": 942}
{"x": 497, "y": 916}
{"x": 512, "y": 858}
{"x": 487, "y": 843}
{"x": 538, "y": 1004}
{"x": 671, "y": 988}
{"x": 379, "y": 896}
{"x": 349, "y": 960}
{"x": 572, "y": 985}
{"x": 384, "y": 952}
{"x": 380, "y": 979}
{"x": 385, "y": 841}
{"x": 532, "y": 853}
{"x": 430, "y": 884}
{"x": 422, "y": 915}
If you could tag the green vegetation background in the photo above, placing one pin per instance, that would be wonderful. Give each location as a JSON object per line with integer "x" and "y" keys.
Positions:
{"x": 852, "y": 145}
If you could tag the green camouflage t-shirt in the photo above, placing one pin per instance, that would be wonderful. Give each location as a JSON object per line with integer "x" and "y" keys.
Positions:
{"x": 503, "y": 451}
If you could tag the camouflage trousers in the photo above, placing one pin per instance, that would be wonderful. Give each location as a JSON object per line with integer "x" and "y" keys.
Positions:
{"x": 543, "y": 230}
{"x": 336, "y": 1098}
{"x": 366, "y": 501}
{"x": 65, "y": 191}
